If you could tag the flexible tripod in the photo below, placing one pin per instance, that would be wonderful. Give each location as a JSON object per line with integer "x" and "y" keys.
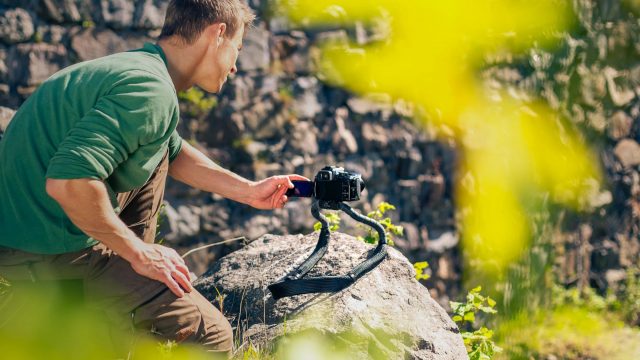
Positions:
{"x": 295, "y": 284}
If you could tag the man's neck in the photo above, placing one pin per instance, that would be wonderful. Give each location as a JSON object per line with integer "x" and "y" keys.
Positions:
{"x": 182, "y": 62}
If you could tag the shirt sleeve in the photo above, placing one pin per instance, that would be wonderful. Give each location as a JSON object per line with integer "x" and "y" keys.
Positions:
{"x": 130, "y": 115}
{"x": 175, "y": 145}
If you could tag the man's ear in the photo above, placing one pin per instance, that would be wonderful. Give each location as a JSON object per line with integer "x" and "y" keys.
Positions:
{"x": 222, "y": 28}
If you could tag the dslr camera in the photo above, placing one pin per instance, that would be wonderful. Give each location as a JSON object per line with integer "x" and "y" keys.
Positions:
{"x": 335, "y": 184}
{"x": 331, "y": 184}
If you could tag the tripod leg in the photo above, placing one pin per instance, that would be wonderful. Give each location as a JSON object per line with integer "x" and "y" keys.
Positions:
{"x": 380, "y": 251}
{"x": 321, "y": 246}
{"x": 366, "y": 220}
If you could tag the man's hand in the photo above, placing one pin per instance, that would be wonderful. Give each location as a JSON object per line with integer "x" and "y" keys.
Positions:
{"x": 270, "y": 193}
{"x": 161, "y": 263}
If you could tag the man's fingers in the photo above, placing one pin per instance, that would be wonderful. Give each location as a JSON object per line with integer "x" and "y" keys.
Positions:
{"x": 297, "y": 177}
{"x": 173, "y": 285}
{"x": 182, "y": 280}
{"x": 277, "y": 196}
{"x": 184, "y": 272}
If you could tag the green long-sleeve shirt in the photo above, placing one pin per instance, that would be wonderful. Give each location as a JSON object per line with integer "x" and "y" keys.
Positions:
{"x": 110, "y": 119}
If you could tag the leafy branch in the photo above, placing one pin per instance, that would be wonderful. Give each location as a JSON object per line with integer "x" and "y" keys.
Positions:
{"x": 390, "y": 228}
{"x": 479, "y": 344}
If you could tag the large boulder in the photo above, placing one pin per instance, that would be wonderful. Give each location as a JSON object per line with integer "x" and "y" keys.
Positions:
{"x": 386, "y": 314}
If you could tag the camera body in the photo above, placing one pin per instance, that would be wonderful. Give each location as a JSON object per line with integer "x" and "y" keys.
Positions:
{"x": 334, "y": 184}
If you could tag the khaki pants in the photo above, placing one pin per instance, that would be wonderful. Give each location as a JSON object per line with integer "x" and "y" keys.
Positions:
{"x": 110, "y": 283}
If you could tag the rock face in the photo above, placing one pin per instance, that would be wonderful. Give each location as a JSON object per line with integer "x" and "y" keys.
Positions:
{"x": 94, "y": 43}
{"x": 628, "y": 152}
{"x": 30, "y": 64}
{"x": 390, "y": 314}
{"x": 15, "y": 25}
{"x": 6, "y": 115}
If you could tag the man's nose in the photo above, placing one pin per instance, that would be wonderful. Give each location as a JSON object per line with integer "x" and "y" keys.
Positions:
{"x": 234, "y": 69}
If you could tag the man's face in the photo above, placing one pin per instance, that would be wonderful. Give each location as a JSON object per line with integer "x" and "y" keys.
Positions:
{"x": 220, "y": 61}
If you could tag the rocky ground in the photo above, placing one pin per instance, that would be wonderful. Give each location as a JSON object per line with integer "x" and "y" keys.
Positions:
{"x": 276, "y": 117}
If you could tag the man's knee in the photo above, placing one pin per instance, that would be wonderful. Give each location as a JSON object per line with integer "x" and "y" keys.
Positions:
{"x": 218, "y": 335}
{"x": 191, "y": 318}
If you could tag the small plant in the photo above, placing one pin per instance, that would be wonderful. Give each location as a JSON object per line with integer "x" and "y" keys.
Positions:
{"x": 586, "y": 298}
{"x": 630, "y": 304}
{"x": 242, "y": 143}
{"x": 197, "y": 106}
{"x": 87, "y": 24}
{"x": 419, "y": 267}
{"x": 38, "y": 37}
{"x": 478, "y": 342}
{"x": 197, "y": 102}
{"x": 391, "y": 229}
{"x": 334, "y": 222}
{"x": 372, "y": 236}
{"x": 252, "y": 353}
{"x": 167, "y": 348}
{"x": 286, "y": 95}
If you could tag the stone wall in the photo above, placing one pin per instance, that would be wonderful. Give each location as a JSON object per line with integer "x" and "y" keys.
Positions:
{"x": 275, "y": 116}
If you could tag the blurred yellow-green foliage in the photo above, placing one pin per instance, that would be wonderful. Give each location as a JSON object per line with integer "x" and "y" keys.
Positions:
{"x": 573, "y": 332}
{"x": 430, "y": 55}
{"x": 519, "y": 157}
{"x": 520, "y": 160}
{"x": 46, "y": 321}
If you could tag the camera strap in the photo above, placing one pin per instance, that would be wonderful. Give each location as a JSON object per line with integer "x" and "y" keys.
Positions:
{"x": 295, "y": 284}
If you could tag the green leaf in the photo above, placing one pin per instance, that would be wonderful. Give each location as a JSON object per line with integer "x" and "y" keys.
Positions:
{"x": 491, "y": 302}
{"x": 421, "y": 265}
{"x": 471, "y": 317}
{"x": 385, "y": 206}
{"x": 488, "y": 310}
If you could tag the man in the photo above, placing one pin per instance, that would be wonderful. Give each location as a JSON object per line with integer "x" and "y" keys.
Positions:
{"x": 84, "y": 163}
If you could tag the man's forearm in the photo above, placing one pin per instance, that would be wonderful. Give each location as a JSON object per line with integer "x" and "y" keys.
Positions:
{"x": 195, "y": 169}
{"x": 86, "y": 203}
